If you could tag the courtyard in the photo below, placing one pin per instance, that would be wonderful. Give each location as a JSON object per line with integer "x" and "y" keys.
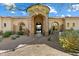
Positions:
{"x": 35, "y": 50}
{"x": 33, "y": 45}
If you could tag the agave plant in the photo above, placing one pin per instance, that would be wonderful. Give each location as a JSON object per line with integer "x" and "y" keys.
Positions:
{"x": 69, "y": 40}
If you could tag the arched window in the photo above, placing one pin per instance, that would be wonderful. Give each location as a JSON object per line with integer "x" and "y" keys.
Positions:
{"x": 67, "y": 24}
{"x": 4, "y": 24}
{"x": 73, "y": 25}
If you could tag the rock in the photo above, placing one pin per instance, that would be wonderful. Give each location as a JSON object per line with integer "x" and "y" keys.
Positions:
{"x": 14, "y": 36}
{"x": 1, "y": 37}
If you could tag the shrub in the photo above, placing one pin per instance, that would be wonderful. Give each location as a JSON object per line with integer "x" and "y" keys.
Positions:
{"x": 49, "y": 39}
{"x": 69, "y": 40}
{"x": 7, "y": 34}
{"x": 20, "y": 33}
{"x": 49, "y": 32}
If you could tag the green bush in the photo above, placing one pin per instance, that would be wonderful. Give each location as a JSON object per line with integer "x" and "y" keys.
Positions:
{"x": 69, "y": 40}
{"x": 20, "y": 33}
{"x": 7, "y": 34}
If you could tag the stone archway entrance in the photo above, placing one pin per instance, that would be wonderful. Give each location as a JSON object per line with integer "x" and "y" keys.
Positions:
{"x": 39, "y": 14}
{"x": 38, "y": 24}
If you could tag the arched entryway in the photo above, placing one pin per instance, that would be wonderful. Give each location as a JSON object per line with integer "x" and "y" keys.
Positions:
{"x": 38, "y": 24}
{"x": 21, "y": 27}
{"x": 39, "y": 17}
{"x": 38, "y": 28}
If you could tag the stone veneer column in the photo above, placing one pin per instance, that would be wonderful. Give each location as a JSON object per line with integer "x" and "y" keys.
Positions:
{"x": 32, "y": 26}
{"x": 46, "y": 25}
{"x": 29, "y": 25}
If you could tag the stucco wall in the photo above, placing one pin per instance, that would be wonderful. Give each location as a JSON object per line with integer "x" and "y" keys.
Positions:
{"x": 17, "y": 22}
{"x": 27, "y": 21}
{"x": 60, "y": 21}
{"x": 8, "y": 24}
{"x": 72, "y": 20}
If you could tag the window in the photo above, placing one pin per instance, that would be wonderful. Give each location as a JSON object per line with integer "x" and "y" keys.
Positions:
{"x": 73, "y": 25}
{"x": 67, "y": 24}
{"x": 4, "y": 24}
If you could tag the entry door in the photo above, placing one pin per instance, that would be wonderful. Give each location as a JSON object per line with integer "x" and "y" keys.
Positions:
{"x": 38, "y": 28}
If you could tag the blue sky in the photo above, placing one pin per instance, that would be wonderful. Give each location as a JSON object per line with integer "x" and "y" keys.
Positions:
{"x": 56, "y": 9}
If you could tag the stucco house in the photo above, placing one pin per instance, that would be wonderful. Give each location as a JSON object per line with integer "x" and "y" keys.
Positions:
{"x": 38, "y": 21}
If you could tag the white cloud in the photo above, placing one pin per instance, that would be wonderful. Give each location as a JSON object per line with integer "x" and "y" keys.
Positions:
{"x": 69, "y": 10}
{"x": 10, "y": 6}
{"x": 13, "y": 12}
{"x": 56, "y": 15}
{"x": 69, "y": 15}
{"x": 52, "y": 10}
{"x": 74, "y": 10}
{"x": 62, "y": 15}
{"x": 23, "y": 12}
{"x": 75, "y": 7}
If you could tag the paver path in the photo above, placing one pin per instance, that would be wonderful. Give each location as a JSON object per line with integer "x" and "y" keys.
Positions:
{"x": 14, "y": 43}
{"x": 36, "y": 50}
{"x": 33, "y": 42}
